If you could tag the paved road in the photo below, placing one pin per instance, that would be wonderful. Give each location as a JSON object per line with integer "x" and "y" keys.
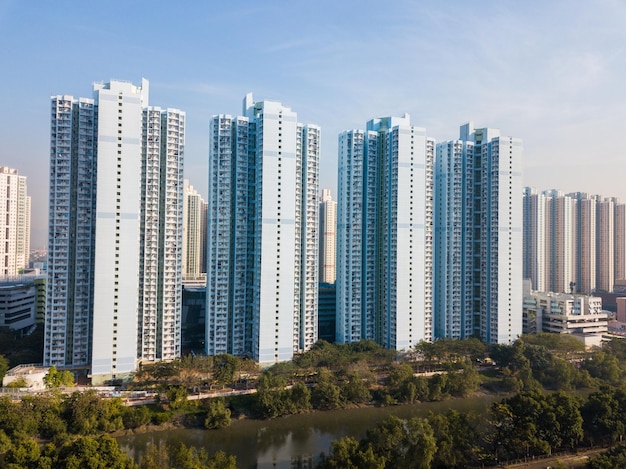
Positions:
{"x": 573, "y": 461}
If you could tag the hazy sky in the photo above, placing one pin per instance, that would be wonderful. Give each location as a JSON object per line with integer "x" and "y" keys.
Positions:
{"x": 550, "y": 72}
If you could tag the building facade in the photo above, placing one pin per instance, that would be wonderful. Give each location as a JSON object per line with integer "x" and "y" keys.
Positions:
{"x": 18, "y": 305}
{"x": 115, "y": 231}
{"x": 534, "y": 238}
{"x": 384, "y": 234}
{"x": 262, "y": 246}
{"x": 15, "y": 222}
{"x": 565, "y": 313}
{"x": 328, "y": 238}
{"x": 478, "y": 232}
{"x": 582, "y": 247}
{"x": 194, "y": 234}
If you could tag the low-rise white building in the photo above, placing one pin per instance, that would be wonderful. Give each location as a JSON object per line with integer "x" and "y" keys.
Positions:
{"x": 17, "y": 305}
{"x": 32, "y": 376}
{"x": 563, "y": 313}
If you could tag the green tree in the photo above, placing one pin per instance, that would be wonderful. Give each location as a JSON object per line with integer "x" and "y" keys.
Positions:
{"x": 346, "y": 453}
{"x": 463, "y": 382}
{"x": 403, "y": 443}
{"x": 438, "y": 387}
{"x": 135, "y": 416}
{"x": 603, "y": 366}
{"x": 94, "y": 453}
{"x": 176, "y": 397}
{"x": 24, "y": 453}
{"x": 270, "y": 395}
{"x": 4, "y": 367}
{"x": 299, "y": 397}
{"x": 567, "y": 420}
{"x": 356, "y": 390}
{"x": 326, "y": 395}
{"x": 218, "y": 415}
{"x": 224, "y": 368}
{"x": 612, "y": 459}
{"x": 458, "y": 439}
{"x": 55, "y": 379}
{"x": 87, "y": 414}
{"x": 602, "y": 415}
{"x": 42, "y": 415}
{"x": 399, "y": 374}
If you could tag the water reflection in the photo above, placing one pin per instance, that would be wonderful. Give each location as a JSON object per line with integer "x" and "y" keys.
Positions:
{"x": 295, "y": 441}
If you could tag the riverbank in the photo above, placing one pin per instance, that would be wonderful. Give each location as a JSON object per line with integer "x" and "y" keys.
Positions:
{"x": 298, "y": 438}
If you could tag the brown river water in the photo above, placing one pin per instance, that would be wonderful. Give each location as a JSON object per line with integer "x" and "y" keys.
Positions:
{"x": 295, "y": 441}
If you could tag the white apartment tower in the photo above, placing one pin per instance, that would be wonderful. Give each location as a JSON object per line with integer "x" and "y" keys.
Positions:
{"x": 583, "y": 245}
{"x": 535, "y": 238}
{"x": 161, "y": 235}
{"x": 586, "y": 248}
{"x": 194, "y": 233}
{"x": 453, "y": 245}
{"x": 560, "y": 241}
{"x": 384, "y": 234}
{"x": 478, "y": 231}
{"x": 620, "y": 240}
{"x": 262, "y": 238}
{"x": 115, "y": 231}
{"x": 14, "y": 222}
{"x": 605, "y": 248}
{"x": 328, "y": 238}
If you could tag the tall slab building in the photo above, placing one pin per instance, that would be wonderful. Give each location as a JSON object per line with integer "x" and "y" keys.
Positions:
{"x": 115, "y": 231}
{"x": 328, "y": 238}
{"x": 194, "y": 234}
{"x": 384, "y": 234}
{"x": 14, "y": 222}
{"x": 534, "y": 238}
{"x": 262, "y": 238}
{"x": 583, "y": 247}
{"x": 478, "y": 232}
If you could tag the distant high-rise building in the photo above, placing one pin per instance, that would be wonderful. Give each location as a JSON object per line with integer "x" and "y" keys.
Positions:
{"x": 15, "y": 219}
{"x": 534, "y": 238}
{"x": 586, "y": 247}
{"x": 194, "y": 233}
{"x": 328, "y": 237}
{"x": 559, "y": 242}
{"x": 605, "y": 248}
{"x": 583, "y": 247}
{"x": 478, "y": 232}
{"x": 115, "y": 231}
{"x": 384, "y": 234}
{"x": 620, "y": 240}
{"x": 262, "y": 246}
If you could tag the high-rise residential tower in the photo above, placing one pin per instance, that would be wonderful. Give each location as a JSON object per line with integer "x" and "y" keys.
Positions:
{"x": 535, "y": 238}
{"x": 15, "y": 222}
{"x": 605, "y": 248}
{"x": 194, "y": 233}
{"x": 115, "y": 231}
{"x": 586, "y": 248}
{"x": 262, "y": 246}
{"x": 328, "y": 238}
{"x": 384, "y": 234}
{"x": 478, "y": 232}
{"x": 584, "y": 241}
{"x": 559, "y": 243}
{"x": 620, "y": 240}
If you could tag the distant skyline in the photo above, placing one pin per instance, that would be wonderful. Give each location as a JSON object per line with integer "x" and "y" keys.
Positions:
{"x": 551, "y": 73}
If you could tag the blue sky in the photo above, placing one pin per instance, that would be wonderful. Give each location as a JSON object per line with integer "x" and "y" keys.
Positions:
{"x": 550, "y": 72}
